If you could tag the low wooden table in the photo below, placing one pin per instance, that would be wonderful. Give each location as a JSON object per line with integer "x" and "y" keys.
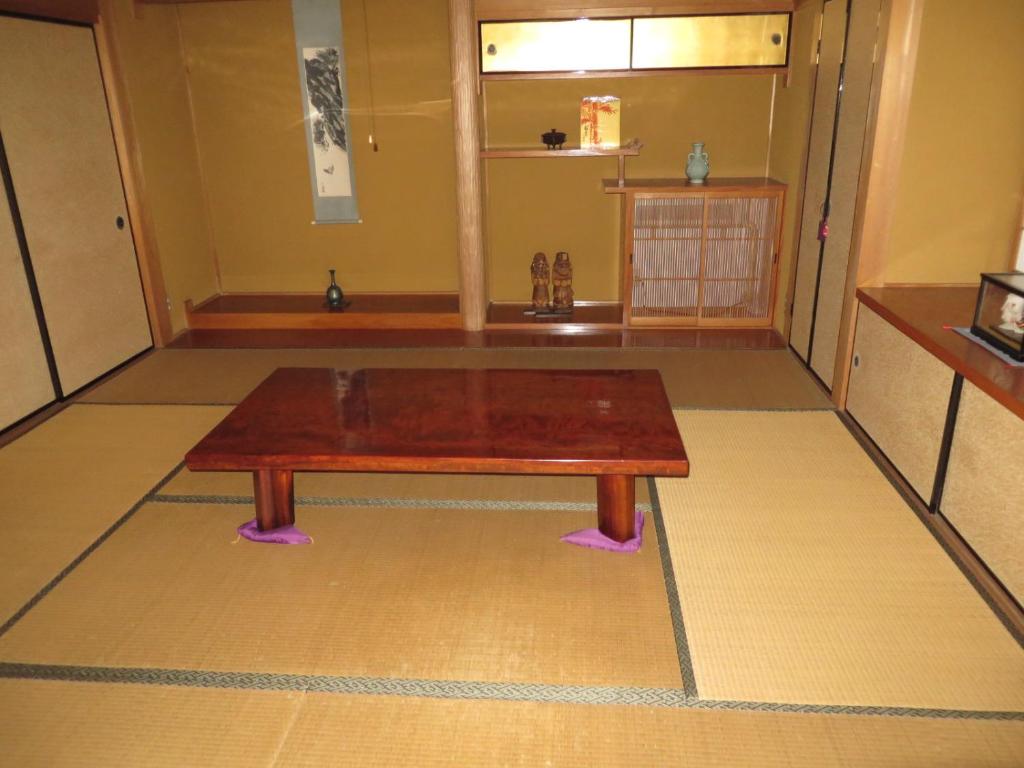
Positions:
{"x": 615, "y": 425}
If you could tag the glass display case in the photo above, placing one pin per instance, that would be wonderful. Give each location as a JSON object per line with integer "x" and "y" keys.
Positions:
{"x": 999, "y": 314}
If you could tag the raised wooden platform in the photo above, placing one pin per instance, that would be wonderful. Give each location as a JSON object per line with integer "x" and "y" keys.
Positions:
{"x": 585, "y": 316}
{"x": 292, "y": 311}
{"x": 540, "y": 338}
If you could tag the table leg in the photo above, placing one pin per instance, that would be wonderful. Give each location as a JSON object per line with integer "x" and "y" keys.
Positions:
{"x": 275, "y": 498}
{"x": 616, "y": 499}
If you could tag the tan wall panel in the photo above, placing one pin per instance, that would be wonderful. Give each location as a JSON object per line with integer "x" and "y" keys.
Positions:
{"x": 957, "y": 208}
{"x": 557, "y": 205}
{"x": 24, "y": 375}
{"x": 853, "y": 114}
{"x": 252, "y": 144}
{"x": 58, "y": 137}
{"x": 899, "y": 394}
{"x": 982, "y": 497}
{"x": 150, "y": 51}
{"x": 822, "y": 122}
{"x": 791, "y": 127}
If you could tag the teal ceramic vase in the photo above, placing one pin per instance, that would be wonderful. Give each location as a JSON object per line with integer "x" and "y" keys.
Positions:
{"x": 697, "y": 164}
{"x": 334, "y": 295}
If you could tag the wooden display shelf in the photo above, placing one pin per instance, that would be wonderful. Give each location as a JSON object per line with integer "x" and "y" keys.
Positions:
{"x": 632, "y": 149}
{"x": 927, "y": 314}
{"x": 234, "y": 311}
{"x": 723, "y": 184}
{"x": 586, "y": 316}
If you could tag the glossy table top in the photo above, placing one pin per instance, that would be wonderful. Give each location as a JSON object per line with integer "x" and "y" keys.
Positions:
{"x": 581, "y": 422}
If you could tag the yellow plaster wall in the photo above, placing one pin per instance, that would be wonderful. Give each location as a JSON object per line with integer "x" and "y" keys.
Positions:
{"x": 557, "y": 204}
{"x": 153, "y": 68}
{"x": 252, "y": 140}
{"x": 790, "y": 128}
{"x": 958, "y": 205}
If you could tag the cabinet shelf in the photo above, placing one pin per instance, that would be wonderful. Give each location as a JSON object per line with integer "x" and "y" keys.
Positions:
{"x": 632, "y": 149}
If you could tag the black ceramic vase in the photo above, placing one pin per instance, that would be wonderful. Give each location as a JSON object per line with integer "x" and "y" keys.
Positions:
{"x": 334, "y": 295}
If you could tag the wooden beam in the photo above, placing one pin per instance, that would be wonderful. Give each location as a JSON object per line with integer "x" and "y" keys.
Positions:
{"x": 499, "y": 10}
{"x": 129, "y": 157}
{"x": 468, "y": 188}
{"x": 84, "y": 11}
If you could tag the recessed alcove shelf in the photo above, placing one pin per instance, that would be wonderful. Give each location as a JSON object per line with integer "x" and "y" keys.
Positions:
{"x": 309, "y": 311}
{"x": 632, "y": 149}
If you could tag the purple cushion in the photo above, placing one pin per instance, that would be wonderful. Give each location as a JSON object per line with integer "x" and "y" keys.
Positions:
{"x": 286, "y": 534}
{"x": 593, "y": 538}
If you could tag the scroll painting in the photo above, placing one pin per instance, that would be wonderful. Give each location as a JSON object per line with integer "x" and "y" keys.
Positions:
{"x": 321, "y": 62}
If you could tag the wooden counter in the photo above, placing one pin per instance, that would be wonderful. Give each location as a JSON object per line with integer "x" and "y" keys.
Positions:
{"x": 927, "y": 315}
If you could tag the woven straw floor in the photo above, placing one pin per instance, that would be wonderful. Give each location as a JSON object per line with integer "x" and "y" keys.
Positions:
{"x": 804, "y": 577}
{"x": 44, "y": 724}
{"x": 693, "y": 378}
{"x": 795, "y": 612}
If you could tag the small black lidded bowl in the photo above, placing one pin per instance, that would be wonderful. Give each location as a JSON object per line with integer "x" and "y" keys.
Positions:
{"x": 554, "y": 139}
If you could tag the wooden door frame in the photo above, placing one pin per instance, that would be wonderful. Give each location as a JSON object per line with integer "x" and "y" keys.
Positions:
{"x": 129, "y": 156}
{"x": 899, "y": 32}
{"x": 98, "y": 14}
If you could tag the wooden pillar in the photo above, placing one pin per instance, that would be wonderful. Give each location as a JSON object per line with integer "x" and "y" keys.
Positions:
{"x": 892, "y": 84}
{"x": 468, "y": 188}
{"x": 129, "y": 155}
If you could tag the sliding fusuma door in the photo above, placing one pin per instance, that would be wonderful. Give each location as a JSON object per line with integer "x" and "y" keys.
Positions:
{"x": 25, "y": 384}
{"x": 841, "y": 101}
{"x": 64, "y": 174}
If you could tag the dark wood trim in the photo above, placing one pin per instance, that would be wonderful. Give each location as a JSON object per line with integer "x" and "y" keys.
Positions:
{"x": 30, "y": 273}
{"x": 942, "y": 465}
{"x": 77, "y": 11}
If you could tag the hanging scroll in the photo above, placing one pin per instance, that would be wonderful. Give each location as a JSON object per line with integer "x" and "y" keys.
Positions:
{"x": 321, "y": 60}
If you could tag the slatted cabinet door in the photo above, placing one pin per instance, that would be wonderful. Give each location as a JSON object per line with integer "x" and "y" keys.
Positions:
{"x": 667, "y": 236}
{"x": 739, "y": 260}
{"x": 702, "y": 256}
{"x": 65, "y": 173}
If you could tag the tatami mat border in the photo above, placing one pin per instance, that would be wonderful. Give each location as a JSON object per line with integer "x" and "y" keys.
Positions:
{"x": 459, "y": 689}
{"x": 686, "y": 698}
{"x": 88, "y": 551}
{"x": 672, "y": 593}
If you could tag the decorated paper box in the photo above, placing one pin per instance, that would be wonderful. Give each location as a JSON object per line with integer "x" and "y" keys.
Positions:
{"x": 599, "y": 122}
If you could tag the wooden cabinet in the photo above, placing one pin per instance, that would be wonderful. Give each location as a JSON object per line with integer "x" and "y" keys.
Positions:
{"x": 700, "y": 254}
{"x": 982, "y": 497}
{"x": 949, "y": 416}
{"x": 899, "y": 394}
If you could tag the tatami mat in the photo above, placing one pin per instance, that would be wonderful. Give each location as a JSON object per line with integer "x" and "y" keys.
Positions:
{"x": 694, "y": 378}
{"x": 65, "y": 482}
{"x": 451, "y": 594}
{"x": 804, "y": 577}
{"x": 517, "y": 490}
{"x": 56, "y": 724}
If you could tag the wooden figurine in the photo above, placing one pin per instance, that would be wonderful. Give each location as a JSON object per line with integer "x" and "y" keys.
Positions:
{"x": 562, "y": 279}
{"x": 541, "y": 274}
